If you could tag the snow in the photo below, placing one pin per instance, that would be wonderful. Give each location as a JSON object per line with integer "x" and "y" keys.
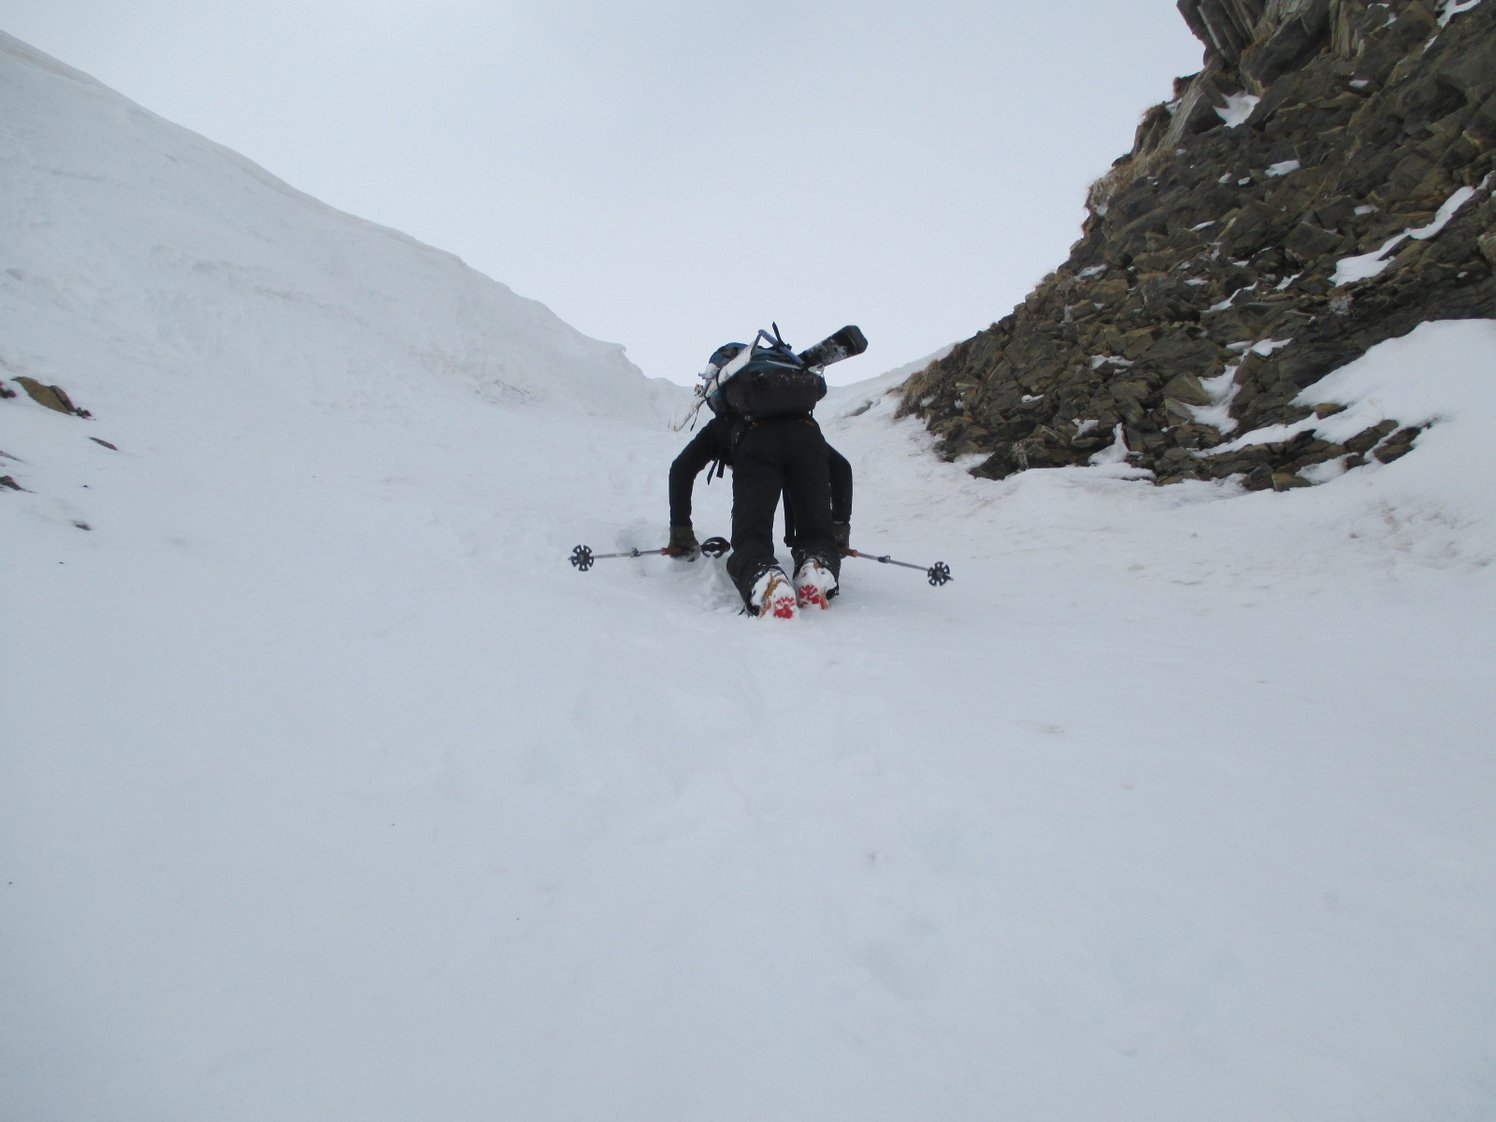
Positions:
{"x": 1223, "y": 391}
{"x": 1238, "y": 109}
{"x": 1222, "y": 305}
{"x": 1448, "y": 9}
{"x": 1437, "y": 374}
{"x": 1266, "y": 347}
{"x": 329, "y": 789}
{"x": 1351, "y": 269}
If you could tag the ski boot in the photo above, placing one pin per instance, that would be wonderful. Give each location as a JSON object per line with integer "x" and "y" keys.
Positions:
{"x": 814, "y": 584}
{"x": 773, "y": 596}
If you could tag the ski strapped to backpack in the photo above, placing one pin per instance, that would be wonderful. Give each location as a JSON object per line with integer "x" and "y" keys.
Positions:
{"x": 769, "y": 379}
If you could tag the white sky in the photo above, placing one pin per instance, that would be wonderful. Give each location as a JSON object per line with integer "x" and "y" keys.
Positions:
{"x": 669, "y": 175}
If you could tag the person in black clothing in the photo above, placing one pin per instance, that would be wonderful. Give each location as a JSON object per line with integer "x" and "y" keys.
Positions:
{"x": 713, "y": 446}
{"x": 840, "y": 471}
{"x": 786, "y": 456}
{"x": 783, "y": 454}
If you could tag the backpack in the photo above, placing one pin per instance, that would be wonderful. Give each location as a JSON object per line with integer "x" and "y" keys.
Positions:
{"x": 763, "y": 379}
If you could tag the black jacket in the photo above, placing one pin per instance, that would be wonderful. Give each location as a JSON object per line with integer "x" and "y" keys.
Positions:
{"x": 713, "y": 445}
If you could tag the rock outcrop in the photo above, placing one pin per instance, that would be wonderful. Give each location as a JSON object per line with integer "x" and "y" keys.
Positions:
{"x": 1323, "y": 184}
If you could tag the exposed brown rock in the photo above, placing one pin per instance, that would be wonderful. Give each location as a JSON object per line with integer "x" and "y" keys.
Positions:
{"x": 53, "y": 397}
{"x": 1215, "y": 248}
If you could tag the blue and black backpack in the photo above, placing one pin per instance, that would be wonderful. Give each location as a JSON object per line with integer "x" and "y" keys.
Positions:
{"x": 763, "y": 379}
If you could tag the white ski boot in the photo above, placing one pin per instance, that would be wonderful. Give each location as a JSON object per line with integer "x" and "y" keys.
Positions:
{"x": 814, "y": 584}
{"x": 774, "y": 595}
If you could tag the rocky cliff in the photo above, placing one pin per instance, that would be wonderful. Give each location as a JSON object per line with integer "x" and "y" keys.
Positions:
{"x": 1323, "y": 184}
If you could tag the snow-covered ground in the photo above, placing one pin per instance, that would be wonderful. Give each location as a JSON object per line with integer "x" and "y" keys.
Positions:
{"x": 328, "y": 789}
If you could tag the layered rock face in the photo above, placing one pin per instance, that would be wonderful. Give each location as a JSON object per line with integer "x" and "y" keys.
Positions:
{"x": 1323, "y": 184}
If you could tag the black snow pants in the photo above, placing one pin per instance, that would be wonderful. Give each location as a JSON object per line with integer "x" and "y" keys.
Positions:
{"x": 779, "y": 454}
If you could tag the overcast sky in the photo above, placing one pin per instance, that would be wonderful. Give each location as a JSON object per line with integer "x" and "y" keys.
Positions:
{"x": 669, "y": 174}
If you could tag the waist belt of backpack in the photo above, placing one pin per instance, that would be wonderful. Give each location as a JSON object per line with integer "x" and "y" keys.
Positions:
{"x": 807, "y": 418}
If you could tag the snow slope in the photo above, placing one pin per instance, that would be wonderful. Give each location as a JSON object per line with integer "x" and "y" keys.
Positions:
{"x": 119, "y": 222}
{"x": 328, "y": 789}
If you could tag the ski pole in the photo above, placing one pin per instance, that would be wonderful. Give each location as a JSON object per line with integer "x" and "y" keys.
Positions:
{"x": 937, "y": 574}
{"x": 583, "y": 557}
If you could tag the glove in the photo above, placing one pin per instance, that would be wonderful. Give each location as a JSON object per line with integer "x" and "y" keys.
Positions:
{"x": 683, "y": 538}
{"x": 841, "y": 533}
